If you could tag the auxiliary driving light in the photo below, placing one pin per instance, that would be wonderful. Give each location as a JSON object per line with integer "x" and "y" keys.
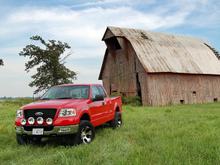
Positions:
{"x": 31, "y": 120}
{"x": 49, "y": 121}
{"x": 23, "y": 122}
{"x": 40, "y": 120}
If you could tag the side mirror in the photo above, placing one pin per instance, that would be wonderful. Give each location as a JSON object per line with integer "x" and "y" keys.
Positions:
{"x": 98, "y": 98}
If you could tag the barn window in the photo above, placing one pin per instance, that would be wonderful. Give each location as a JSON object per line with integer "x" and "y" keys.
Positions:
{"x": 194, "y": 93}
{"x": 182, "y": 101}
{"x": 215, "y": 99}
{"x": 112, "y": 43}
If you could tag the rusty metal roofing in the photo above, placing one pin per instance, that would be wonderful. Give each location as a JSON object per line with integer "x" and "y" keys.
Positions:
{"x": 159, "y": 52}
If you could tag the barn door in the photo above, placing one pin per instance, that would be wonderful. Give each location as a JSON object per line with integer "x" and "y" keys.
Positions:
{"x": 138, "y": 84}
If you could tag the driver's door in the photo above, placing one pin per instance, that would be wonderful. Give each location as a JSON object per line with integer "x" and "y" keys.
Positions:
{"x": 97, "y": 109}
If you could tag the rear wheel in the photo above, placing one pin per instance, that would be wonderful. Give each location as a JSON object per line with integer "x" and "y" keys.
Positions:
{"x": 86, "y": 133}
{"x": 117, "y": 121}
{"x": 21, "y": 140}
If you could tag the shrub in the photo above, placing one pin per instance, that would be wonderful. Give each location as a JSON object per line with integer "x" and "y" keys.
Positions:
{"x": 129, "y": 100}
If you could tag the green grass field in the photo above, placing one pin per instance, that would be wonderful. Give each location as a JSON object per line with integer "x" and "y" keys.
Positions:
{"x": 184, "y": 134}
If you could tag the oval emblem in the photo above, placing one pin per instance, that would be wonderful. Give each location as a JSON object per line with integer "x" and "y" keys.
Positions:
{"x": 39, "y": 114}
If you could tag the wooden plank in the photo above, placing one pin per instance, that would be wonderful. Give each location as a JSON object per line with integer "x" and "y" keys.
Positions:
{"x": 167, "y": 88}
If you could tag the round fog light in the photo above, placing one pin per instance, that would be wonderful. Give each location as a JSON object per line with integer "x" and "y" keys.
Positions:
{"x": 40, "y": 120}
{"x": 31, "y": 120}
{"x": 23, "y": 122}
{"x": 49, "y": 121}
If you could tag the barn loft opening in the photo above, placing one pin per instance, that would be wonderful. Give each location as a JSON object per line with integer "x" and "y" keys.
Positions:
{"x": 112, "y": 44}
{"x": 214, "y": 51}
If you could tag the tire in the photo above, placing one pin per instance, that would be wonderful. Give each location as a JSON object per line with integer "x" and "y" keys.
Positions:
{"x": 21, "y": 140}
{"x": 86, "y": 133}
{"x": 117, "y": 121}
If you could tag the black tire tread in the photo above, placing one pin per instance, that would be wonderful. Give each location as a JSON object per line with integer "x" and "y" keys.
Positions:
{"x": 21, "y": 140}
{"x": 82, "y": 124}
{"x": 113, "y": 123}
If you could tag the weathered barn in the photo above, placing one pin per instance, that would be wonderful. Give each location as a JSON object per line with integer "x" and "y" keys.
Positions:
{"x": 162, "y": 69}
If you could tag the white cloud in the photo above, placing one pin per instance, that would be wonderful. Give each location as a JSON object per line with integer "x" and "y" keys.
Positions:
{"x": 14, "y": 80}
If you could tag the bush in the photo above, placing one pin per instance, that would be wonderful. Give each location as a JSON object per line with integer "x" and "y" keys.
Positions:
{"x": 129, "y": 100}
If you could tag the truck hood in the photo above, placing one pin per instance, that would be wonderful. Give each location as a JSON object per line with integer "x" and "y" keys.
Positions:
{"x": 56, "y": 104}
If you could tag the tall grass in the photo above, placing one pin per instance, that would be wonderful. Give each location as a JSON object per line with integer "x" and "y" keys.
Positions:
{"x": 183, "y": 134}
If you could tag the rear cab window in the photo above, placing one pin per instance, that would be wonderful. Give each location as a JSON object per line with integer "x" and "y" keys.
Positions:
{"x": 95, "y": 91}
{"x": 98, "y": 90}
{"x": 101, "y": 91}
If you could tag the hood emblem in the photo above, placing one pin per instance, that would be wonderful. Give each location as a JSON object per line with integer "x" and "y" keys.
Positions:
{"x": 39, "y": 113}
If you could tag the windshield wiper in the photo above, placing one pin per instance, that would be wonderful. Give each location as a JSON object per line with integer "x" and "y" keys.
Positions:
{"x": 44, "y": 98}
{"x": 64, "y": 98}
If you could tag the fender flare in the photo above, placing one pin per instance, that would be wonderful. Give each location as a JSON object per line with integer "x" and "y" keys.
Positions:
{"x": 116, "y": 106}
{"x": 84, "y": 111}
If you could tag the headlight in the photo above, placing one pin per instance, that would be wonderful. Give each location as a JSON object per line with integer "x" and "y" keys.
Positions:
{"x": 23, "y": 122}
{"x": 19, "y": 113}
{"x": 31, "y": 120}
{"x": 66, "y": 112}
{"x": 40, "y": 120}
{"x": 49, "y": 121}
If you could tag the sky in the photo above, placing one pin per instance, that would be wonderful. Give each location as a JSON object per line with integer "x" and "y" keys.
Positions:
{"x": 82, "y": 24}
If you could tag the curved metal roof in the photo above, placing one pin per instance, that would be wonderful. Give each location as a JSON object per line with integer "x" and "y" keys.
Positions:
{"x": 160, "y": 52}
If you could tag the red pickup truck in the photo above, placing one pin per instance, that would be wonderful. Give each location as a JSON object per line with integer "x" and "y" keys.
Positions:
{"x": 70, "y": 110}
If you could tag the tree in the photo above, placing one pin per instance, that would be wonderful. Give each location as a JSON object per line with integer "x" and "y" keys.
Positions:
{"x": 50, "y": 65}
{"x": 1, "y": 62}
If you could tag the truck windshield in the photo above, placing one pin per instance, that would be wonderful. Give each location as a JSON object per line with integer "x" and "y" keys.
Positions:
{"x": 67, "y": 92}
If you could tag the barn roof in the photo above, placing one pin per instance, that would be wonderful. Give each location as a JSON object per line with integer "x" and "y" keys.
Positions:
{"x": 159, "y": 52}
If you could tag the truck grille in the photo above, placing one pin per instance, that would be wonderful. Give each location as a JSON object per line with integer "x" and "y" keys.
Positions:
{"x": 45, "y": 113}
{"x": 46, "y": 128}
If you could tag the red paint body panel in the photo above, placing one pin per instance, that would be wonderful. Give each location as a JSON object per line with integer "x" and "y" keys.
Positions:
{"x": 99, "y": 112}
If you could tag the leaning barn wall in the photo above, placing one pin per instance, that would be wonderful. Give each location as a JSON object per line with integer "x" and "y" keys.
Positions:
{"x": 168, "y": 88}
{"x": 118, "y": 73}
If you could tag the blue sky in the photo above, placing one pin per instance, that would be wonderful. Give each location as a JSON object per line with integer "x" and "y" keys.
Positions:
{"x": 82, "y": 23}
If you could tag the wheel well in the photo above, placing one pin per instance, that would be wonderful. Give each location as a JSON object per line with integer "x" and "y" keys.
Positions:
{"x": 117, "y": 109}
{"x": 85, "y": 116}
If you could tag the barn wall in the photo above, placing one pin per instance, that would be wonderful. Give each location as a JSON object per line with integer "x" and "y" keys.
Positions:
{"x": 167, "y": 88}
{"x": 119, "y": 70}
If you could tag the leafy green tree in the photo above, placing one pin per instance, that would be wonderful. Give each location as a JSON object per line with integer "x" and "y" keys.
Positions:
{"x": 1, "y": 62}
{"x": 49, "y": 61}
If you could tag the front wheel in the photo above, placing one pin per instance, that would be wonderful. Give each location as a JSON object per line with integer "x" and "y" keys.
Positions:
{"x": 21, "y": 140}
{"x": 86, "y": 132}
{"x": 117, "y": 121}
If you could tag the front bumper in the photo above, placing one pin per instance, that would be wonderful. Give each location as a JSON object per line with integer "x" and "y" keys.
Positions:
{"x": 57, "y": 130}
